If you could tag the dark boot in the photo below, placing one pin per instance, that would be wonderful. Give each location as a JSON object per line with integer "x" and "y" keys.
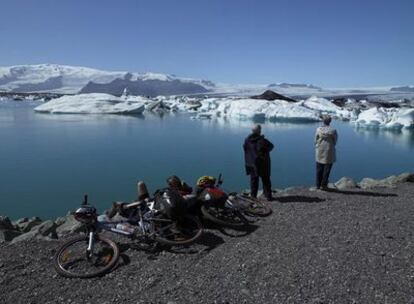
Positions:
{"x": 254, "y": 185}
{"x": 267, "y": 187}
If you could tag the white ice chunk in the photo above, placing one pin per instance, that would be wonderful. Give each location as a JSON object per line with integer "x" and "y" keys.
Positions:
{"x": 324, "y": 106}
{"x": 247, "y": 108}
{"x": 96, "y": 103}
{"x": 392, "y": 118}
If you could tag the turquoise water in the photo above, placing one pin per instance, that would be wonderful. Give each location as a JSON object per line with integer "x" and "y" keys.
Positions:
{"x": 49, "y": 161}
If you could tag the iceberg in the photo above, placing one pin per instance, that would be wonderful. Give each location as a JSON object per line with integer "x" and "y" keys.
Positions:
{"x": 95, "y": 103}
{"x": 255, "y": 109}
{"x": 324, "y": 106}
{"x": 387, "y": 118}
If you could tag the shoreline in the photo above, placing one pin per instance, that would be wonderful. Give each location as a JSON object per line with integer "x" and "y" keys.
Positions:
{"x": 25, "y": 228}
{"x": 344, "y": 246}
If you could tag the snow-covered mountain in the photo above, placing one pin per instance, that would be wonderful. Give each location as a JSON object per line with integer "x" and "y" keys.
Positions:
{"x": 72, "y": 79}
{"x": 65, "y": 79}
{"x": 403, "y": 89}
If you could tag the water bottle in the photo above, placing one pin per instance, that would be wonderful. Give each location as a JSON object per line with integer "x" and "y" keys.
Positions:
{"x": 125, "y": 228}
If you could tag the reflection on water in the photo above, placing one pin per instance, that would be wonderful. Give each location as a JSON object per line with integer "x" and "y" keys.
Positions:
{"x": 86, "y": 117}
{"x": 403, "y": 137}
{"x": 247, "y": 124}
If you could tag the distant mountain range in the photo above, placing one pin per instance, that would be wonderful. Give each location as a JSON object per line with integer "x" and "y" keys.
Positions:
{"x": 64, "y": 79}
{"x": 293, "y": 85}
{"x": 407, "y": 89}
{"x": 150, "y": 87}
{"x": 71, "y": 79}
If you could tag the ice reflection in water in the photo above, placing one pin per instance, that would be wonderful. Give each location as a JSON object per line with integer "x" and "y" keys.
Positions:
{"x": 402, "y": 137}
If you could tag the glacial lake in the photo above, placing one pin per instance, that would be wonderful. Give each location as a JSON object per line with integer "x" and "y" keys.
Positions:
{"x": 49, "y": 161}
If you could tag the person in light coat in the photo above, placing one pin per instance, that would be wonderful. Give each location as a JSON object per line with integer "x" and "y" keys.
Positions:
{"x": 325, "y": 152}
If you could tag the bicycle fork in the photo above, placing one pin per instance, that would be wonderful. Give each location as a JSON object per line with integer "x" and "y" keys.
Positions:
{"x": 89, "y": 250}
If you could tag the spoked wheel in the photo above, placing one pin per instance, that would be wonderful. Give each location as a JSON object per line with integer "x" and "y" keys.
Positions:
{"x": 252, "y": 206}
{"x": 181, "y": 232}
{"x": 73, "y": 260}
{"x": 224, "y": 216}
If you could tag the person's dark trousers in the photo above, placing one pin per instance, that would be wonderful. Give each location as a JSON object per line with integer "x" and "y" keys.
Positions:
{"x": 322, "y": 174}
{"x": 267, "y": 186}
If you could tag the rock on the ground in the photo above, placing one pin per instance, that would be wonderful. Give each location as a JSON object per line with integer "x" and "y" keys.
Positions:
{"x": 346, "y": 183}
{"x": 402, "y": 178}
{"x": 389, "y": 182}
{"x": 70, "y": 226}
{"x": 20, "y": 220}
{"x": 60, "y": 221}
{"x": 5, "y": 223}
{"x": 7, "y": 235}
{"x": 46, "y": 230}
{"x": 25, "y": 237}
{"x": 25, "y": 225}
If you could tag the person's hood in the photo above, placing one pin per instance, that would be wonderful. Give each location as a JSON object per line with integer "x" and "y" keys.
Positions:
{"x": 254, "y": 137}
{"x": 326, "y": 132}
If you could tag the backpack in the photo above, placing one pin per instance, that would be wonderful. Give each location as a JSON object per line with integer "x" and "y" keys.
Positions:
{"x": 170, "y": 203}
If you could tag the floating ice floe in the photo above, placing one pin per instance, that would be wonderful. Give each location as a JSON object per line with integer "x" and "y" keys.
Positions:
{"x": 246, "y": 108}
{"x": 95, "y": 103}
{"x": 235, "y": 108}
{"x": 387, "y": 118}
{"x": 324, "y": 106}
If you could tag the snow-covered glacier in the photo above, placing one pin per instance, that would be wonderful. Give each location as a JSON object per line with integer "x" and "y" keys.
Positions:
{"x": 95, "y": 103}
{"x": 66, "y": 79}
{"x": 51, "y": 78}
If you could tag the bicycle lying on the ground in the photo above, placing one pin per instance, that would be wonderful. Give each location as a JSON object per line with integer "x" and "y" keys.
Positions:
{"x": 93, "y": 254}
{"x": 230, "y": 209}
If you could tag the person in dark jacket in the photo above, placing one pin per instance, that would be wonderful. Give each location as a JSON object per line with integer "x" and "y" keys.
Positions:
{"x": 257, "y": 161}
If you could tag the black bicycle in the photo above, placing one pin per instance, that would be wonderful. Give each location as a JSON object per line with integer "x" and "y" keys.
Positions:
{"x": 229, "y": 209}
{"x": 93, "y": 254}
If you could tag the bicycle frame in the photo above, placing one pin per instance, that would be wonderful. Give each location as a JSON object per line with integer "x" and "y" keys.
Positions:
{"x": 143, "y": 224}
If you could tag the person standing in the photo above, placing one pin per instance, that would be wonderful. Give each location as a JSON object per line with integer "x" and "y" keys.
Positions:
{"x": 325, "y": 153}
{"x": 257, "y": 161}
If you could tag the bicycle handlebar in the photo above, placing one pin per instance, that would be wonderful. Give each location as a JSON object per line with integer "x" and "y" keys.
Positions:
{"x": 219, "y": 180}
{"x": 85, "y": 200}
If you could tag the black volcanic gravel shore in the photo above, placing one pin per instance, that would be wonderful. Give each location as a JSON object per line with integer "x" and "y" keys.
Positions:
{"x": 351, "y": 247}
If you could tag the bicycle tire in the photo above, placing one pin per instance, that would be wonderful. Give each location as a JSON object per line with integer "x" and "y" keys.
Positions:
{"x": 207, "y": 213}
{"x": 192, "y": 239}
{"x": 256, "y": 207}
{"x": 60, "y": 269}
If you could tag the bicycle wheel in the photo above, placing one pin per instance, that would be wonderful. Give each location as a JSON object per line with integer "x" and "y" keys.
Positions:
{"x": 181, "y": 232}
{"x": 73, "y": 261}
{"x": 254, "y": 207}
{"x": 224, "y": 216}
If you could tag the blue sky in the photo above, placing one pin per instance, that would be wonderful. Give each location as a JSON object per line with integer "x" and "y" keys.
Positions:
{"x": 324, "y": 42}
